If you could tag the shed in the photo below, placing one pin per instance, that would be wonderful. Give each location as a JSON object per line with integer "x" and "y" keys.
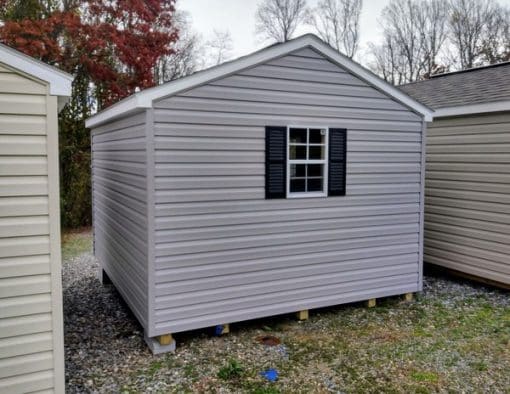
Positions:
{"x": 282, "y": 181}
{"x": 31, "y": 327}
{"x": 467, "y": 211}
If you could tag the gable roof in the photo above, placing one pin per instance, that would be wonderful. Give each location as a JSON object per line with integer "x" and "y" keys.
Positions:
{"x": 476, "y": 90}
{"x": 145, "y": 98}
{"x": 59, "y": 81}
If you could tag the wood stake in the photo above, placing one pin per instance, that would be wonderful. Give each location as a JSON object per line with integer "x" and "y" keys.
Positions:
{"x": 371, "y": 303}
{"x": 165, "y": 339}
{"x": 408, "y": 297}
{"x": 302, "y": 315}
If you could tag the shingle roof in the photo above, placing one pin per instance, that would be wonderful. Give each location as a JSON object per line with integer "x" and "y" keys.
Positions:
{"x": 474, "y": 86}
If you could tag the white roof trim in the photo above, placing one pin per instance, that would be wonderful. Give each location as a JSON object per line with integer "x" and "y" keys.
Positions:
{"x": 59, "y": 81}
{"x": 496, "y": 106}
{"x": 145, "y": 98}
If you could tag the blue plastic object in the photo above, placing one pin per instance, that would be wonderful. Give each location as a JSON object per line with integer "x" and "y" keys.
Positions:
{"x": 270, "y": 374}
{"x": 218, "y": 330}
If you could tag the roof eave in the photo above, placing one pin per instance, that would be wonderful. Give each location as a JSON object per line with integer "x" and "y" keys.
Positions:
{"x": 472, "y": 109}
{"x": 60, "y": 82}
{"x": 145, "y": 98}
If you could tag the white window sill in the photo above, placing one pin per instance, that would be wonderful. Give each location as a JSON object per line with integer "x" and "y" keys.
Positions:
{"x": 306, "y": 195}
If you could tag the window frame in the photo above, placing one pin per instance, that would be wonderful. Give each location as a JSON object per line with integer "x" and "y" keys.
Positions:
{"x": 324, "y": 162}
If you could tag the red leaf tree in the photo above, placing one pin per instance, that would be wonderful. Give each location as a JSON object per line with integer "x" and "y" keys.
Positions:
{"x": 111, "y": 47}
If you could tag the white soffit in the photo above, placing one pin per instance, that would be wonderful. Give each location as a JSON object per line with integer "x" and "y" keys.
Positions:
{"x": 145, "y": 98}
{"x": 472, "y": 109}
{"x": 60, "y": 82}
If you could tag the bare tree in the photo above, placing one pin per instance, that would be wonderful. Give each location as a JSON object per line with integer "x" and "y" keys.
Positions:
{"x": 337, "y": 23}
{"x": 187, "y": 55}
{"x": 413, "y": 34}
{"x": 219, "y": 47}
{"x": 470, "y": 23}
{"x": 277, "y": 20}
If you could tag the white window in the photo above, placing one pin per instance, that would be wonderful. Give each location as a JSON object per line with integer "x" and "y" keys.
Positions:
{"x": 307, "y": 158}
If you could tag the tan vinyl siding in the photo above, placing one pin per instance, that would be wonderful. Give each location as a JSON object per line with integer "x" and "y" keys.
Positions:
{"x": 222, "y": 253}
{"x": 31, "y": 338}
{"x": 467, "y": 219}
{"x": 120, "y": 208}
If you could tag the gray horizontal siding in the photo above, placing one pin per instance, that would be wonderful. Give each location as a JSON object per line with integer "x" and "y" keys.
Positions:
{"x": 223, "y": 253}
{"x": 119, "y": 173}
{"x": 467, "y": 216}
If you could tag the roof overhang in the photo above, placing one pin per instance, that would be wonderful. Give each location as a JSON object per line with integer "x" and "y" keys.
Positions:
{"x": 145, "y": 98}
{"x": 60, "y": 83}
{"x": 496, "y": 106}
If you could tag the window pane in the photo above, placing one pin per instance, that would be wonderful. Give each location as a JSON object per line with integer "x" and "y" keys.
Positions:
{"x": 314, "y": 184}
{"x": 297, "y": 185}
{"x": 297, "y": 136}
{"x": 317, "y": 136}
{"x": 297, "y": 152}
{"x": 315, "y": 170}
{"x": 316, "y": 153}
{"x": 297, "y": 170}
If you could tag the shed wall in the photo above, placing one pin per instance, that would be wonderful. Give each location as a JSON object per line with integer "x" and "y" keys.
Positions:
{"x": 31, "y": 332}
{"x": 467, "y": 218}
{"x": 119, "y": 190}
{"x": 223, "y": 253}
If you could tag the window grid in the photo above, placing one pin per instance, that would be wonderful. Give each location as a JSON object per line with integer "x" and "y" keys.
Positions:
{"x": 307, "y": 161}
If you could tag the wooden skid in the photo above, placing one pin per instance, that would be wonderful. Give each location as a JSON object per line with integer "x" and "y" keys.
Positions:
{"x": 302, "y": 315}
{"x": 371, "y": 303}
{"x": 165, "y": 339}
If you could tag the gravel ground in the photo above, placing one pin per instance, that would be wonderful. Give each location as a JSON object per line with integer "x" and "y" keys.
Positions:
{"x": 454, "y": 338}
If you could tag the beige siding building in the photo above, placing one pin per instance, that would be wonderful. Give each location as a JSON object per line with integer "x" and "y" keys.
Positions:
{"x": 31, "y": 330}
{"x": 467, "y": 209}
{"x": 285, "y": 180}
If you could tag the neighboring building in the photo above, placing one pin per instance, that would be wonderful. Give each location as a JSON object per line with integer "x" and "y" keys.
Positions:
{"x": 286, "y": 180}
{"x": 31, "y": 328}
{"x": 467, "y": 214}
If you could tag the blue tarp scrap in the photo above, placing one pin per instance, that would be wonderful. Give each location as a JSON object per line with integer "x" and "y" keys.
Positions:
{"x": 218, "y": 330}
{"x": 270, "y": 374}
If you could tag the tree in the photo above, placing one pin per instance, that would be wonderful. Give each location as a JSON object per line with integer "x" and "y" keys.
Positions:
{"x": 337, "y": 23}
{"x": 219, "y": 47}
{"x": 277, "y": 20}
{"x": 111, "y": 47}
{"x": 467, "y": 24}
{"x": 414, "y": 33}
{"x": 187, "y": 55}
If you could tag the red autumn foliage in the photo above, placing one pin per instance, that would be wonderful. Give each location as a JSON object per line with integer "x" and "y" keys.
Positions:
{"x": 115, "y": 43}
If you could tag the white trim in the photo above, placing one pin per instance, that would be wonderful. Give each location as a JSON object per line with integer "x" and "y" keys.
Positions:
{"x": 324, "y": 162}
{"x": 145, "y": 98}
{"x": 60, "y": 82}
{"x": 496, "y": 106}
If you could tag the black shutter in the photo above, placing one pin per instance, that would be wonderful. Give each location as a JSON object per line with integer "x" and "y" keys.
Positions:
{"x": 337, "y": 162}
{"x": 276, "y": 161}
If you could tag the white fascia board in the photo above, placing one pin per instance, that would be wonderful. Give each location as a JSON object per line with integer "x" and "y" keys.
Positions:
{"x": 145, "y": 98}
{"x": 497, "y": 106}
{"x": 60, "y": 82}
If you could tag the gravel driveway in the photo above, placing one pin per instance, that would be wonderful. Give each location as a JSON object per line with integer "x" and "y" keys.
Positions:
{"x": 454, "y": 337}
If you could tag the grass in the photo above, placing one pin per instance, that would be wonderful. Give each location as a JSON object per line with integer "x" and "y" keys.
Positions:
{"x": 76, "y": 242}
{"x": 455, "y": 337}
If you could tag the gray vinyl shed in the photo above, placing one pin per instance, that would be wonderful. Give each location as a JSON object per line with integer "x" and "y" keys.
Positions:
{"x": 282, "y": 181}
{"x": 467, "y": 210}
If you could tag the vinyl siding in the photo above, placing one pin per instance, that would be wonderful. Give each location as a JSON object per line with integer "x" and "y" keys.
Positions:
{"x": 31, "y": 338}
{"x": 222, "y": 253}
{"x": 467, "y": 219}
{"x": 119, "y": 188}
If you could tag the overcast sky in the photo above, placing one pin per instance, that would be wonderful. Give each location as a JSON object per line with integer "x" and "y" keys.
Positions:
{"x": 238, "y": 16}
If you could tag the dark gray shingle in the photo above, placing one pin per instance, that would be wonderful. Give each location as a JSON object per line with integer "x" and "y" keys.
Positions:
{"x": 474, "y": 86}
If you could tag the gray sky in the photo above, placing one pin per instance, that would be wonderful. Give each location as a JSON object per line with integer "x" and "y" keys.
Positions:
{"x": 238, "y": 17}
